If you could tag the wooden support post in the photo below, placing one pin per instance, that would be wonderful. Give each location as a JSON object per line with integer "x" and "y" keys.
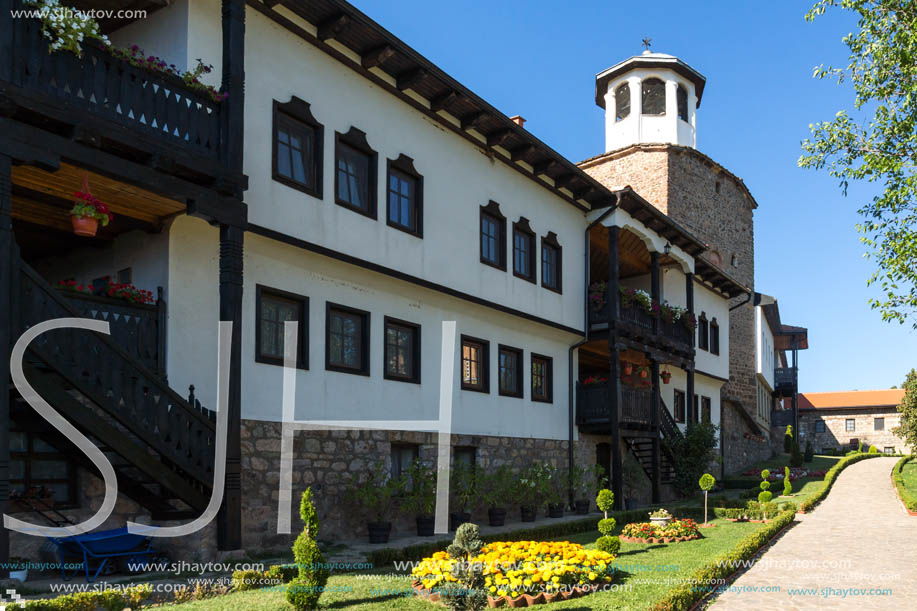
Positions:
{"x": 689, "y": 398}
{"x": 689, "y": 299}
{"x": 655, "y": 289}
{"x": 7, "y": 257}
{"x": 6, "y": 39}
{"x": 233, "y": 111}
{"x": 656, "y": 406}
{"x": 229, "y": 526}
{"x": 689, "y": 386}
{"x": 614, "y": 377}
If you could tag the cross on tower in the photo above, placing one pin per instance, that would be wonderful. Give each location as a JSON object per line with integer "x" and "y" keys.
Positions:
{"x": 647, "y": 41}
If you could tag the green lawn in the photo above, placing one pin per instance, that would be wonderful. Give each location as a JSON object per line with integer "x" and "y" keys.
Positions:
{"x": 803, "y": 489}
{"x": 648, "y": 569}
{"x": 909, "y": 476}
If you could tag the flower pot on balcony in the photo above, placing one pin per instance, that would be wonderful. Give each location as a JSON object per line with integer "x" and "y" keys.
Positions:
{"x": 628, "y": 369}
{"x": 85, "y": 226}
{"x": 644, "y": 373}
{"x": 379, "y": 531}
{"x": 496, "y": 516}
{"x": 666, "y": 377}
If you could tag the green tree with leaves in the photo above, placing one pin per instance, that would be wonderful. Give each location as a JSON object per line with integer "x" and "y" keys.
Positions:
{"x": 693, "y": 452}
{"x": 878, "y": 142}
{"x": 907, "y": 428}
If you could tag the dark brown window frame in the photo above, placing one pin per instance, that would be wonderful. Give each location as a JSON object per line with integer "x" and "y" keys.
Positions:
{"x": 519, "y": 391}
{"x": 31, "y": 455}
{"x": 396, "y": 445}
{"x": 550, "y": 241}
{"x": 714, "y": 336}
{"x": 294, "y": 112}
{"x": 485, "y": 364}
{"x": 523, "y": 228}
{"x": 405, "y": 165}
{"x": 356, "y": 139}
{"x": 549, "y": 378}
{"x": 703, "y": 332}
{"x": 684, "y": 406}
{"x": 364, "y": 340}
{"x": 492, "y": 210}
{"x": 414, "y": 377}
{"x": 302, "y": 356}
{"x": 706, "y": 410}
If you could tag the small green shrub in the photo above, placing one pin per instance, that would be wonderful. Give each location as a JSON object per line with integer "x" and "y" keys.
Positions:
{"x": 282, "y": 573}
{"x": 907, "y": 495}
{"x": 873, "y": 450}
{"x": 605, "y": 501}
{"x": 788, "y": 439}
{"x": 809, "y": 453}
{"x": 242, "y": 581}
{"x": 795, "y": 456}
{"x": 467, "y": 592}
{"x": 304, "y": 591}
{"x": 787, "y": 484}
{"x": 607, "y": 526}
{"x": 608, "y": 544}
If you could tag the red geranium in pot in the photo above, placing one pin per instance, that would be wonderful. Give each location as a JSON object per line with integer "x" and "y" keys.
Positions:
{"x": 88, "y": 211}
{"x": 666, "y": 376}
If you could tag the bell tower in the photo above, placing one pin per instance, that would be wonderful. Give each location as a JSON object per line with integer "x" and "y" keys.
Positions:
{"x": 649, "y": 98}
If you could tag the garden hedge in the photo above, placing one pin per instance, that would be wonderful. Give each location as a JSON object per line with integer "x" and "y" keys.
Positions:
{"x": 686, "y": 595}
{"x": 386, "y": 556}
{"x": 109, "y": 600}
{"x": 809, "y": 504}
{"x": 907, "y": 496}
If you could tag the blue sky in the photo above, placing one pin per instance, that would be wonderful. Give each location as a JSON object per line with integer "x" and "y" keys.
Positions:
{"x": 539, "y": 60}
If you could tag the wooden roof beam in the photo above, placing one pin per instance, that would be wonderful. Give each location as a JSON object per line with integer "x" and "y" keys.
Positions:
{"x": 377, "y": 56}
{"x": 333, "y": 27}
{"x": 411, "y": 78}
{"x": 544, "y": 166}
{"x": 444, "y": 101}
{"x": 521, "y": 152}
{"x": 498, "y": 137}
{"x": 473, "y": 119}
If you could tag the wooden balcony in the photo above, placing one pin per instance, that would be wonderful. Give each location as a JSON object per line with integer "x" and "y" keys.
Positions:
{"x": 785, "y": 381}
{"x": 592, "y": 407}
{"x": 638, "y": 324}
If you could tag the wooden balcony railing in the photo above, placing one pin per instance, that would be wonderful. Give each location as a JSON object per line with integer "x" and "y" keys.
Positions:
{"x": 636, "y": 317}
{"x": 161, "y": 106}
{"x": 139, "y": 329}
{"x": 592, "y": 405}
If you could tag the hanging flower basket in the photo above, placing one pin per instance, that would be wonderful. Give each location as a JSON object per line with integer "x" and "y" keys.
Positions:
{"x": 88, "y": 211}
{"x": 666, "y": 376}
{"x": 628, "y": 368}
{"x": 644, "y": 373}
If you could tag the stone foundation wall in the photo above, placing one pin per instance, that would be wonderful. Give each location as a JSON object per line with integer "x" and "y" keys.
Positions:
{"x": 332, "y": 462}
{"x": 740, "y": 447}
{"x": 836, "y": 435}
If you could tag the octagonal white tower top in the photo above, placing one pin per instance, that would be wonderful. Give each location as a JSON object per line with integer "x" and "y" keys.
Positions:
{"x": 652, "y": 97}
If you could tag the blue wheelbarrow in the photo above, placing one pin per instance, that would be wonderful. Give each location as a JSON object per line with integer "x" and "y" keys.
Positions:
{"x": 102, "y": 547}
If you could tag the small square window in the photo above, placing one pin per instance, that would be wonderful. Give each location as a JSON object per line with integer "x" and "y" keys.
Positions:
{"x": 523, "y": 250}
{"x": 403, "y": 456}
{"x": 542, "y": 378}
{"x": 402, "y": 351}
{"x": 355, "y": 172}
{"x": 126, "y": 275}
{"x": 889, "y": 450}
{"x": 273, "y": 308}
{"x": 493, "y": 236}
{"x": 819, "y": 426}
{"x": 347, "y": 340}
{"x": 850, "y": 424}
{"x": 679, "y": 407}
{"x": 405, "y": 196}
{"x": 475, "y": 364}
{"x": 510, "y": 371}
{"x": 297, "y": 147}
{"x": 551, "y": 263}
{"x": 464, "y": 455}
{"x": 879, "y": 424}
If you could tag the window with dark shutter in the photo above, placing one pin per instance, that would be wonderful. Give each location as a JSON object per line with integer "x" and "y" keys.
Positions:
{"x": 653, "y": 97}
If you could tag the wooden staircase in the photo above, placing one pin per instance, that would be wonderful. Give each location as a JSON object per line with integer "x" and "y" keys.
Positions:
{"x": 641, "y": 445}
{"x": 160, "y": 445}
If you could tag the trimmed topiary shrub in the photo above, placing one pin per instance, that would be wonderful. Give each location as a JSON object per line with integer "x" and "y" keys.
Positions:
{"x": 607, "y": 526}
{"x": 765, "y": 496}
{"x": 607, "y": 544}
{"x": 787, "y": 484}
{"x": 788, "y": 439}
{"x": 873, "y": 450}
{"x": 605, "y": 501}
{"x": 809, "y": 453}
{"x": 467, "y": 592}
{"x": 304, "y": 591}
{"x": 706, "y": 482}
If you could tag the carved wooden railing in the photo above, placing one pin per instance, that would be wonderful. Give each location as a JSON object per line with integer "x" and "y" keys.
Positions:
{"x": 632, "y": 314}
{"x": 592, "y": 406}
{"x": 140, "y": 329}
{"x": 160, "y": 105}
{"x": 96, "y": 366}
{"x": 676, "y": 331}
{"x": 667, "y": 424}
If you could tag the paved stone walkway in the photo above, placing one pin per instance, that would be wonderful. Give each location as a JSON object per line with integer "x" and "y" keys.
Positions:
{"x": 861, "y": 521}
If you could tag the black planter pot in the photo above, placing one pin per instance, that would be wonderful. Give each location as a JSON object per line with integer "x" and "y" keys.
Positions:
{"x": 425, "y": 526}
{"x": 457, "y": 518}
{"x": 379, "y": 531}
{"x": 555, "y": 510}
{"x": 496, "y": 516}
{"x": 528, "y": 513}
{"x": 582, "y": 507}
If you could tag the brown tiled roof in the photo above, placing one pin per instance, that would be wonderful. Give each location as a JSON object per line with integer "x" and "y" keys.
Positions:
{"x": 850, "y": 399}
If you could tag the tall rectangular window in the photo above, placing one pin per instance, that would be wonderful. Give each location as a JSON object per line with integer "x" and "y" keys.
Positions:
{"x": 405, "y": 196}
{"x": 402, "y": 350}
{"x": 35, "y": 463}
{"x": 542, "y": 378}
{"x": 493, "y": 236}
{"x": 297, "y": 147}
{"x": 679, "y": 407}
{"x": 510, "y": 371}
{"x": 550, "y": 264}
{"x": 347, "y": 340}
{"x": 464, "y": 455}
{"x": 523, "y": 250}
{"x": 274, "y": 308}
{"x": 850, "y": 425}
{"x": 879, "y": 424}
{"x": 706, "y": 409}
{"x": 703, "y": 332}
{"x": 355, "y": 172}
{"x": 714, "y": 337}
{"x": 403, "y": 455}
{"x": 475, "y": 364}
{"x": 819, "y": 426}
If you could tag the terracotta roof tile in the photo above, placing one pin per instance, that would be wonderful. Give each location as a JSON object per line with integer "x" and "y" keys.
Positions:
{"x": 850, "y": 399}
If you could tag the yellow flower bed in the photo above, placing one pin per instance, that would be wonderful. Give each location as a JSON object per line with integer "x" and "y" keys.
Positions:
{"x": 515, "y": 568}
